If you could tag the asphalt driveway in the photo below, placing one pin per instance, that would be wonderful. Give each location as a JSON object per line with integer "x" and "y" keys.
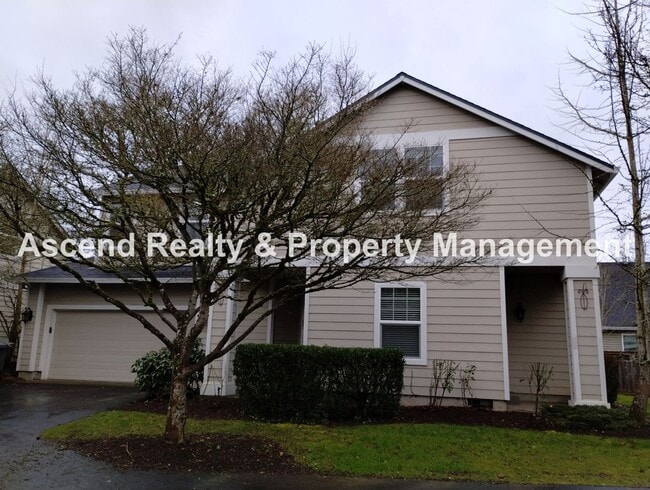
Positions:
{"x": 26, "y": 462}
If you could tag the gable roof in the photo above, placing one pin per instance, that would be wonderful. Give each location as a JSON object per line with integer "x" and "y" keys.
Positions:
{"x": 604, "y": 172}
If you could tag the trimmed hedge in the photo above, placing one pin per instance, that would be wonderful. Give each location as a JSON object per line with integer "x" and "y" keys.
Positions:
{"x": 310, "y": 383}
{"x": 587, "y": 417}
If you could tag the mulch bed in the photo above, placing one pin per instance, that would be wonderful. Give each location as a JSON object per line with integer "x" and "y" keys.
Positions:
{"x": 252, "y": 454}
{"x": 507, "y": 420}
{"x": 211, "y": 407}
{"x": 200, "y": 407}
{"x": 205, "y": 453}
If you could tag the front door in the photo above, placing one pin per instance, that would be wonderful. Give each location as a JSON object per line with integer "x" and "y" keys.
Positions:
{"x": 287, "y": 318}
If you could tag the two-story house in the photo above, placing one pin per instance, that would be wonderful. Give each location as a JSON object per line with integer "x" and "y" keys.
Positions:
{"x": 500, "y": 317}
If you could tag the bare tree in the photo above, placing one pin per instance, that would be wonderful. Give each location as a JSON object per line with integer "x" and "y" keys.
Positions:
{"x": 11, "y": 302}
{"x": 144, "y": 144}
{"x": 11, "y": 289}
{"x": 617, "y": 70}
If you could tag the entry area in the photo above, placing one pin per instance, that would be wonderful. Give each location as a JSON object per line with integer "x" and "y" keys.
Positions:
{"x": 537, "y": 330}
{"x": 288, "y": 315}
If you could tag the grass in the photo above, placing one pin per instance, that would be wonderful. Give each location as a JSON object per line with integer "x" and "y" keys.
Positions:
{"x": 626, "y": 401}
{"x": 434, "y": 451}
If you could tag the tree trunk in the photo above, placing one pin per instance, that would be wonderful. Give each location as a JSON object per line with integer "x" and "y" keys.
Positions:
{"x": 637, "y": 411}
{"x": 640, "y": 401}
{"x": 177, "y": 410}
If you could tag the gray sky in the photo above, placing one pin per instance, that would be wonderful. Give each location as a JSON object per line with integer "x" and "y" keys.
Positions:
{"x": 501, "y": 54}
{"x": 505, "y": 55}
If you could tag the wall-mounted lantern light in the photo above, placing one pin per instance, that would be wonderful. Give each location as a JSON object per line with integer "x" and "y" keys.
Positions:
{"x": 26, "y": 315}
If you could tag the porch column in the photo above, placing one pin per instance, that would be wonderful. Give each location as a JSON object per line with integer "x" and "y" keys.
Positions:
{"x": 584, "y": 336}
{"x": 228, "y": 385}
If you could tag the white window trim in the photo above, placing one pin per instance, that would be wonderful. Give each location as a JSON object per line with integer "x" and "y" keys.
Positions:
{"x": 411, "y": 361}
{"x": 623, "y": 335}
{"x": 401, "y": 148}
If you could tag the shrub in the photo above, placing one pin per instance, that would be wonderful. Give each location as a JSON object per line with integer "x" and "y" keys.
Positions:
{"x": 153, "y": 372}
{"x": 587, "y": 418}
{"x": 443, "y": 379}
{"x": 310, "y": 383}
{"x": 539, "y": 377}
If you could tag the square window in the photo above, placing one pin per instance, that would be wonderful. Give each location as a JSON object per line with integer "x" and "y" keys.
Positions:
{"x": 423, "y": 190}
{"x": 629, "y": 343}
{"x": 400, "y": 313}
{"x": 431, "y": 157}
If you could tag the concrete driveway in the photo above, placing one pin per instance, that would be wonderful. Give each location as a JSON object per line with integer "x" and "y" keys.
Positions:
{"x": 26, "y": 462}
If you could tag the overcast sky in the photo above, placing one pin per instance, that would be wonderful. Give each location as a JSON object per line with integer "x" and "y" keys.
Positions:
{"x": 502, "y": 54}
{"x": 505, "y": 55}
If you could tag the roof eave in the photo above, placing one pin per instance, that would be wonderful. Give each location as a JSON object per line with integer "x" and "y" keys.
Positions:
{"x": 102, "y": 280}
{"x": 502, "y": 121}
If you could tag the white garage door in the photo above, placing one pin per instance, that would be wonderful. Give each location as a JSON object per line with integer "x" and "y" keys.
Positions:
{"x": 99, "y": 345}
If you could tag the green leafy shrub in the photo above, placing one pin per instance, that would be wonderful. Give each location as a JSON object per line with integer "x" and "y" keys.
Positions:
{"x": 587, "y": 418}
{"x": 310, "y": 383}
{"x": 154, "y": 372}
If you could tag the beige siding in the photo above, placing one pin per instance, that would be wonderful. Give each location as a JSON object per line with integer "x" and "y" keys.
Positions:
{"x": 541, "y": 336}
{"x": 214, "y": 380}
{"x": 612, "y": 342}
{"x": 536, "y": 193}
{"x": 463, "y": 325}
{"x": 259, "y": 335}
{"x": 404, "y": 107}
{"x": 587, "y": 341}
{"x": 342, "y": 317}
{"x": 10, "y": 267}
{"x": 28, "y": 330}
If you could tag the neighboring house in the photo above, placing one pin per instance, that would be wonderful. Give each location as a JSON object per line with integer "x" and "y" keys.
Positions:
{"x": 13, "y": 299}
{"x": 618, "y": 307}
{"x": 500, "y": 318}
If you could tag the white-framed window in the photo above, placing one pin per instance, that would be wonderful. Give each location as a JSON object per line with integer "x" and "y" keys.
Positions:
{"x": 400, "y": 319}
{"x": 629, "y": 342}
{"x": 434, "y": 159}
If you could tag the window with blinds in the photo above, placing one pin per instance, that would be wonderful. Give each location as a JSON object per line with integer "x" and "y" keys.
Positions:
{"x": 400, "y": 319}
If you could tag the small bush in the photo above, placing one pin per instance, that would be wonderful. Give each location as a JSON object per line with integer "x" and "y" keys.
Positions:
{"x": 310, "y": 383}
{"x": 154, "y": 372}
{"x": 583, "y": 418}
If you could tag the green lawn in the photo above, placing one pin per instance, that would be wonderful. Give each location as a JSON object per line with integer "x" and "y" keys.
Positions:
{"x": 435, "y": 451}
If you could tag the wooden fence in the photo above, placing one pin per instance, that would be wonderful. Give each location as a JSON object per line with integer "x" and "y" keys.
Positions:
{"x": 621, "y": 366}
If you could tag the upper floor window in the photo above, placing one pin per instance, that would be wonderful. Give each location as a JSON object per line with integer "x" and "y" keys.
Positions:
{"x": 432, "y": 160}
{"x": 432, "y": 157}
{"x": 415, "y": 194}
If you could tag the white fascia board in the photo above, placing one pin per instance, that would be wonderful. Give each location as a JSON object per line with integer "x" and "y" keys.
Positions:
{"x": 496, "y": 119}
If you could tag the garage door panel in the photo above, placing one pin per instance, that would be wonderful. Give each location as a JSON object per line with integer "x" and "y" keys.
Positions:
{"x": 100, "y": 345}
